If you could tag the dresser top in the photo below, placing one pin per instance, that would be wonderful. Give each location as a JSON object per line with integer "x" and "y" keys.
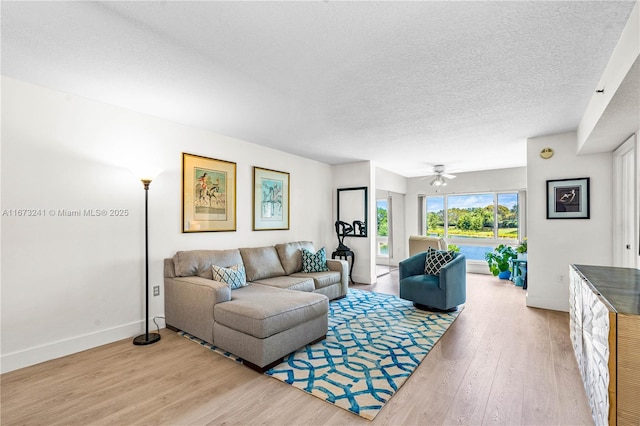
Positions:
{"x": 620, "y": 287}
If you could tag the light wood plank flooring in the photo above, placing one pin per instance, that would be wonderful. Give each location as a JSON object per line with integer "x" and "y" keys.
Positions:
{"x": 500, "y": 363}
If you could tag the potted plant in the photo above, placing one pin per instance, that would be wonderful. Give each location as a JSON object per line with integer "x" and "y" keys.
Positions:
{"x": 499, "y": 261}
{"x": 522, "y": 250}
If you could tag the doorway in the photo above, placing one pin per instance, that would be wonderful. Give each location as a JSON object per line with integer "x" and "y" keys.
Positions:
{"x": 383, "y": 241}
{"x": 626, "y": 252}
{"x": 389, "y": 231}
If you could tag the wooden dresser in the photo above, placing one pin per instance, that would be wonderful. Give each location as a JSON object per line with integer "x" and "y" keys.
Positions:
{"x": 605, "y": 332}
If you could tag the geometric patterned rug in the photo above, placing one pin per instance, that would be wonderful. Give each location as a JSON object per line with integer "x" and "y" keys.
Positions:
{"x": 374, "y": 342}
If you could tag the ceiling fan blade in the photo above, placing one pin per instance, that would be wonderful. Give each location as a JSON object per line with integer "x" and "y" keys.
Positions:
{"x": 448, "y": 176}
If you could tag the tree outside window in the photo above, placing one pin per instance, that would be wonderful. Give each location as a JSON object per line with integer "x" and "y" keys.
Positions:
{"x": 435, "y": 216}
{"x": 485, "y": 216}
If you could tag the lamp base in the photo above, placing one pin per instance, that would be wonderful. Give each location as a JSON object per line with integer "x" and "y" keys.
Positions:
{"x": 146, "y": 339}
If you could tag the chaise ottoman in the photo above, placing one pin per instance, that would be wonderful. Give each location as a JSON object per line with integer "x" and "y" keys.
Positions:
{"x": 262, "y": 324}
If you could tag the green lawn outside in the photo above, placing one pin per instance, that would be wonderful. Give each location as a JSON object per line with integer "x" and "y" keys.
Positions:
{"x": 505, "y": 233}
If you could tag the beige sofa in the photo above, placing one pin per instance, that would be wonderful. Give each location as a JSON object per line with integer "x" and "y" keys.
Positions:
{"x": 280, "y": 310}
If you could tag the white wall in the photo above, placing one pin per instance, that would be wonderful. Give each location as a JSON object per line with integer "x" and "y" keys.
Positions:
{"x": 353, "y": 175}
{"x": 554, "y": 244}
{"x": 389, "y": 181}
{"x": 71, "y": 283}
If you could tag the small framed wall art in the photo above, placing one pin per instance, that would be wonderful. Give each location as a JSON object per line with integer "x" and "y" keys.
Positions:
{"x": 568, "y": 199}
{"x": 208, "y": 194}
{"x": 270, "y": 199}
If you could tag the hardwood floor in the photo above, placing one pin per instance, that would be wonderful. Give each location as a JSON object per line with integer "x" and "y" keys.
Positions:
{"x": 500, "y": 363}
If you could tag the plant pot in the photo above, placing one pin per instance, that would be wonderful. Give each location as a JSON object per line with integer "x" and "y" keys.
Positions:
{"x": 504, "y": 275}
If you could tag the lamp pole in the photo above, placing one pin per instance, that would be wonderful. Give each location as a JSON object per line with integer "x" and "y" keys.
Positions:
{"x": 146, "y": 338}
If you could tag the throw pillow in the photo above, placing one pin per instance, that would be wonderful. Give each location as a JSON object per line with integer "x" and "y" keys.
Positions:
{"x": 436, "y": 259}
{"x": 235, "y": 276}
{"x": 314, "y": 262}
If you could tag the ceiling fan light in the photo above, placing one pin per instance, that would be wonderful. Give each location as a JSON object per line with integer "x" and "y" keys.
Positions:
{"x": 438, "y": 181}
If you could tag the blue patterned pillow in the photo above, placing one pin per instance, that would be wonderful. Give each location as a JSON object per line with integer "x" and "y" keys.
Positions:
{"x": 436, "y": 259}
{"x": 235, "y": 276}
{"x": 314, "y": 262}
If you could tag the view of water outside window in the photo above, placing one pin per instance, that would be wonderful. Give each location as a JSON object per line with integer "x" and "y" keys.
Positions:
{"x": 472, "y": 217}
{"x": 383, "y": 227}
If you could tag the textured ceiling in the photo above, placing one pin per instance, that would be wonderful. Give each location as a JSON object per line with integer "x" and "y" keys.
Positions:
{"x": 404, "y": 84}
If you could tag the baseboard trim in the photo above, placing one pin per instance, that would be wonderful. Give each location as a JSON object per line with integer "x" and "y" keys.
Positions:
{"x": 477, "y": 267}
{"x": 541, "y": 303}
{"x": 48, "y": 351}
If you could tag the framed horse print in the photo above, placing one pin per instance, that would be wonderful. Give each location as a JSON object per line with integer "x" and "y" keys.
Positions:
{"x": 208, "y": 194}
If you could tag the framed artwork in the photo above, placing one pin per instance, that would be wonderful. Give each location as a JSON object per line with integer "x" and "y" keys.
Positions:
{"x": 270, "y": 199}
{"x": 208, "y": 194}
{"x": 568, "y": 199}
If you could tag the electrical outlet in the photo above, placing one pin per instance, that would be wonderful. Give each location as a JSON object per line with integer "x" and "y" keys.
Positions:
{"x": 156, "y": 290}
{"x": 561, "y": 278}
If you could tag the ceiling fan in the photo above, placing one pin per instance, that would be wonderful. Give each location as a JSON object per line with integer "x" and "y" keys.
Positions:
{"x": 440, "y": 176}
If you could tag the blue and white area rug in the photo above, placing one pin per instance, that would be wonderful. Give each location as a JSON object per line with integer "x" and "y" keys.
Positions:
{"x": 374, "y": 342}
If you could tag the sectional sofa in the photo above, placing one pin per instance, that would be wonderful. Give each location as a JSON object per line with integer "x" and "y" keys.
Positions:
{"x": 280, "y": 309}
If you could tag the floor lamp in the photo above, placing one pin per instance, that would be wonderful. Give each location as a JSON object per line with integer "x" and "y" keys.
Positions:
{"x": 147, "y": 338}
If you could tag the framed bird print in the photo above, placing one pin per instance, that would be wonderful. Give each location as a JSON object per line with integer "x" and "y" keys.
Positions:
{"x": 568, "y": 198}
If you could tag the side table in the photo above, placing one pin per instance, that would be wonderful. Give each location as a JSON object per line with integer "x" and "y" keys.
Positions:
{"x": 345, "y": 254}
{"x": 519, "y": 276}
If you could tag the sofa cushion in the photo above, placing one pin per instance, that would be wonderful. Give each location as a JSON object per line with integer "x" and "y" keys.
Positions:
{"x": 291, "y": 255}
{"x": 262, "y": 311}
{"x": 436, "y": 259}
{"x": 234, "y": 276}
{"x": 261, "y": 262}
{"x": 320, "y": 279}
{"x": 314, "y": 262}
{"x": 298, "y": 283}
{"x": 199, "y": 262}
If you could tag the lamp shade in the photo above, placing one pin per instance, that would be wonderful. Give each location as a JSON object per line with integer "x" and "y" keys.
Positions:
{"x": 146, "y": 172}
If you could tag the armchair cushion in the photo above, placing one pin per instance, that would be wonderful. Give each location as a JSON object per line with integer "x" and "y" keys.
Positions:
{"x": 436, "y": 259}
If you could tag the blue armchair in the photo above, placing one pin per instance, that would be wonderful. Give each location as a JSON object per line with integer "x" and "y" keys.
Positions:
{"x": 443, "y": 292}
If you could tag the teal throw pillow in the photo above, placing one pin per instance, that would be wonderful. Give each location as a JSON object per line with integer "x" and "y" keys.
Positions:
{"x": 436, "y": 259}
{"x": 235, "y": 276}
{"x": 314, "y": 262}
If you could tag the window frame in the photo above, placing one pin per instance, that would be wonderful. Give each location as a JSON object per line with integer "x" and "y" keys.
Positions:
{"x": 484, "y": 242}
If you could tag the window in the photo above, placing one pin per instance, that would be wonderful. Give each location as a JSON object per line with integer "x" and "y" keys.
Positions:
{"x": 435, "y": 216}
{"x": 470, "y": 216}
{"x": 382, "y": 235}
{"x": 508, "y": 216}
{"x": 474, "y": 222}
